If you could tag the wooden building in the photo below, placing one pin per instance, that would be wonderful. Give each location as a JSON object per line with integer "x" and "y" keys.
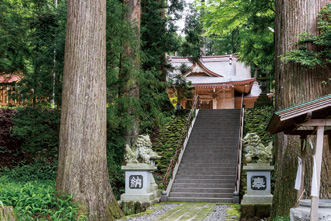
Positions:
{"x": 220, "y": 81}
{"x": 7, "y": 86}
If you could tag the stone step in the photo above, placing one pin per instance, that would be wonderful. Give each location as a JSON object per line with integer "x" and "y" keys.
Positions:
{"x": 203, "y": 185}
{"x": 208, "y": 164}
{"x": 210, "y": 154}
{"x": 203, "y": 160}
{"x": 218, "y": 145}
{"x": 200, "y": 195}
{"x": 214, "y": 140}
{"x": 206, "y": 169}
{"x": 216, "y": 148}
{"x": 202, "y": 190}
{"x": 200, "y": 199}
{"x": 205, "y": 181}
{"x": 209, "y": 150}
{"x": 196, "y": 177}
{"x": 210, "y": 132}
{"x": 205, "y": 173}
{"x": 212, "y": 147}
{"x": 211, "y": 142}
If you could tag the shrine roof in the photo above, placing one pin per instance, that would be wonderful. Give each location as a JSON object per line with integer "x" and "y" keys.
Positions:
{"x": 217, "y": 66}
{"x": 10, "y": 78}
{"x": 288, "y": 120}
{"x": 219, "y": 80}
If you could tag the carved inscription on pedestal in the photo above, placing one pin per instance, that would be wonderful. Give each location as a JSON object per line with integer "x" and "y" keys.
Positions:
{"x": 136, "y": 182}
{"x": 258, "y": 183}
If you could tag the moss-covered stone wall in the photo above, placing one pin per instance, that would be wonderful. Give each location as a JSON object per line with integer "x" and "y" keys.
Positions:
{"x": 166, "y": 142}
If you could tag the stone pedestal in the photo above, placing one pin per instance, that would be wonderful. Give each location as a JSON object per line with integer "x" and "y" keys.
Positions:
{"x": 140, "y": 185}
{"x": 258, "y": 184}
{"x": 302, "y": 212}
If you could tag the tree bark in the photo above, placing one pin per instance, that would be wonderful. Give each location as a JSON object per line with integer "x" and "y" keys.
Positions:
{"x": 133, "y": 16}
{"x": 82, "y": 166}
{"x": 7, "y": 213}
{"x": 294, "y": 85}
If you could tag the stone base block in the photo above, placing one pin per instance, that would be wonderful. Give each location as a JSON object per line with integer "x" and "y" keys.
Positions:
{"x": 257, "y": 199}
{"x": 255, "y": 210}
{"x": 133, "y": 207}
{"x": 157, "y": 193}
{"x": 147, "y": 197}
{"x": 303, "y": 214}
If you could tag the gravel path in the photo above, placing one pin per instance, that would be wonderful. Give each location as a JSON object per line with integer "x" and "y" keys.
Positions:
{"x": 155, "y": 214}
{"x": 217, "y": 214}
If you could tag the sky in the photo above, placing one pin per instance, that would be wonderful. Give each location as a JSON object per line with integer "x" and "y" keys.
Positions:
{"x": 181, "y": 22}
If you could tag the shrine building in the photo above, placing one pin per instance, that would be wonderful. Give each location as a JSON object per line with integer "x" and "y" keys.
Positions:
{"x": 220, "y": 82}
{"x": 7, "y": 86}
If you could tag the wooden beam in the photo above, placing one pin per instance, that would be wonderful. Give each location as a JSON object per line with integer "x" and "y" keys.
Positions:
{"x": 317, "y": 123}
{"x": 305, "y": 132}
{"x": 318, "y": 157}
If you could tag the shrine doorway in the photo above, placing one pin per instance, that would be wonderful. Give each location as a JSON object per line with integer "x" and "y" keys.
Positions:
{"x": 206, "y": 104}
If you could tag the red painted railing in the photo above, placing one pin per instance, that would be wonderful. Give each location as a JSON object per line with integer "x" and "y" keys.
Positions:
{"x": 180, "y": 143}
{"x": 238, "y": 169}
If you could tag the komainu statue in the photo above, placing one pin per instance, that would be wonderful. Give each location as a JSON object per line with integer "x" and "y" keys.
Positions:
{"x": 141, "y": 152}
{"x": 255, "y": 149}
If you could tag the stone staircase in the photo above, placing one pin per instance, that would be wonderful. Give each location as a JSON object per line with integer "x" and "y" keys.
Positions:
{"x": 208, "y": 167}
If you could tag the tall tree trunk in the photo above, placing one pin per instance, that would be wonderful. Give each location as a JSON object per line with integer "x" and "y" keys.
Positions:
{"x": 133, "y": 16}
{"x": 82, "y": 169}
{"x": 294, "y": 85}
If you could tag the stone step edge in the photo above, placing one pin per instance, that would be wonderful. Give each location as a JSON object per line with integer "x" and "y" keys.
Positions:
{"x": 202, "y": 188}
{"x": 199, "y": 198}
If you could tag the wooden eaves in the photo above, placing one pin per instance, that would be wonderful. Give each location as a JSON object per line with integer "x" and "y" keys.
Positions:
{"x": 291, "y": 120}
{"x": 315, "y": 114}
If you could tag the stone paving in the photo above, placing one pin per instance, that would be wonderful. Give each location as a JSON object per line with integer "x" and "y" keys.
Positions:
{"x": 188, "y": 211}
{"x": 183, "y": 212}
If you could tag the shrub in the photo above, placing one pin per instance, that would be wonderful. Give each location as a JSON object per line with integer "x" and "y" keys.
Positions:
{"x": 9, "y": 145}
{"x": 37, "y": 201}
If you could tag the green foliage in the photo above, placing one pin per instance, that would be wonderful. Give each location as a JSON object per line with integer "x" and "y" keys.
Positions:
{"x": 256, "y": 121}
{"x": 39, "y": 130}
{"x": 182, "y": 87}
{"x": 14, "y": 25}
{"x": 243, "y": 27}
{"x": 32, "y": 37}
{"x": 319, "y": 53}
{"x": 193, "y": 40}
{"x": 39, "y": 170}
{"x": 36, "y": 200}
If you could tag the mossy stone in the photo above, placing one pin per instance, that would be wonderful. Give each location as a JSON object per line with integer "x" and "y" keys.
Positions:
{"x": 128, "y": 207}
{"x": 248, "y": 211}
{"x": 142, "y": 206}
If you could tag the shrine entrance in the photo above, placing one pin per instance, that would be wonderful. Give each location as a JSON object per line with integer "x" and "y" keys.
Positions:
{"x": 207, "y": 104}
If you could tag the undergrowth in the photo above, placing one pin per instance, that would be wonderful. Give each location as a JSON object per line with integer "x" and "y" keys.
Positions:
{"x": 30, "y": 189}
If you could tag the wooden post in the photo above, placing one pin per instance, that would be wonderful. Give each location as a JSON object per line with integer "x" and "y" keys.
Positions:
{"x": 318, "y": 157}
{"x": 303, "y": 159}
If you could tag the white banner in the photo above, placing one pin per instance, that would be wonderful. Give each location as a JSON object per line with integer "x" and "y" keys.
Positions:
{"x": 311, "y": 144}
{"x": 314, "y": 191}
{"x": 299, "y": 171}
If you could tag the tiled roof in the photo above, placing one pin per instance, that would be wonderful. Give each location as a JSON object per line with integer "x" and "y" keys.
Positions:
{"x": 217, "y": 66}
{"x": 10, "y": 78}
{"x": 215, "y": 80}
